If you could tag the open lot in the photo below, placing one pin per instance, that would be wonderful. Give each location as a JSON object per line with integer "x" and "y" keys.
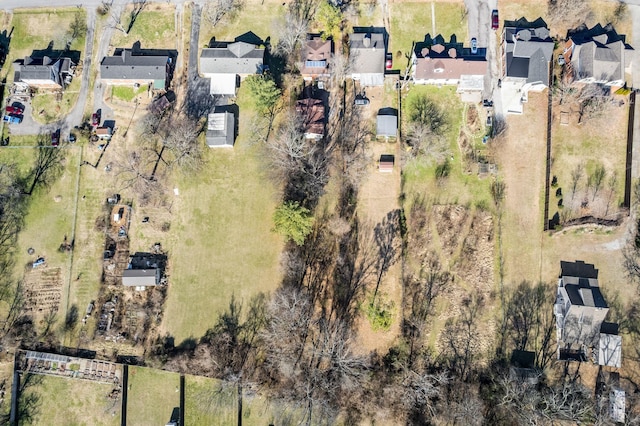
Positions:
{"x": 263, "y": 19}
{"x": 599, "y": 142}
{"x": 65, "y": 401}
{"x": 154, "y": 28}
{"x": 152, "y": 396}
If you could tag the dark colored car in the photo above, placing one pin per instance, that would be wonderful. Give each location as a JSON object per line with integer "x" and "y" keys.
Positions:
{"x": 72, "y": 138}
{"x": 494, "y": 19}
{"x": 487, "y": 103}
{"x": 55, "y": 138}
{"x": 95, "y": 118}
{"x": 389, "y": 61}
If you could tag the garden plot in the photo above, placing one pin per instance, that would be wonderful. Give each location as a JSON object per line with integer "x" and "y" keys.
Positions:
{"x": 43, "y": 289}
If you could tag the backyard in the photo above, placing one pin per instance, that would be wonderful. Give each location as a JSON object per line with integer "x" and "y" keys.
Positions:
{"x": 221, "y": 241}
{"x": 152, "y": 396}
{"x": 71, "y": 402}
{"x": 154, "y": 28}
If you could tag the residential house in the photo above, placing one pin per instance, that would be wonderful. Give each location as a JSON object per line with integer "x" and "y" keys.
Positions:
{"x": 367, "y": 51}
{"x": 228, "y": 63}
{"x": 141, "y": 278}
{"x": 45, "y": 72}
{"x": 580, "y": 310}
{"x": 316, "y": 54}
{"x": 597, "y": 55}
{"x": 527, "y": 50}
{"x": 312, "y": 113}
{"x": 138, "y": 67}
{"x": 220, "y": 130}
{"x": 437, "y": 62}
{"x": 387, "y": 123}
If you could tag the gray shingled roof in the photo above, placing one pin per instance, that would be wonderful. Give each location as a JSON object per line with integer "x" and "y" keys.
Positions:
{"x": 44, "y": 68}
{"x": 528, "y": 51}
{"x": 134, "y": 67}
{"x": 220, "y": 129}
{"x": 368, "y": 55}
{"x": 139, "y": 277}
{"x": 232, "y": 58}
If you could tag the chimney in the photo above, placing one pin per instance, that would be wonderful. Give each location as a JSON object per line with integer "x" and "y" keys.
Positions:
{"x": 366, "y": 41}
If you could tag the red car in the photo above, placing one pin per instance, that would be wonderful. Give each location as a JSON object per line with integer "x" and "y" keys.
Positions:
{"x": 13, "y": 110}
{"x": 389, "y": 61}
{"x": 494, "y": 19}
{"x": 95, "y": 119}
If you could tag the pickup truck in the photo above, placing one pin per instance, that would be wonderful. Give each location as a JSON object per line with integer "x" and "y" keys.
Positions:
{"x": 12, "y": 118}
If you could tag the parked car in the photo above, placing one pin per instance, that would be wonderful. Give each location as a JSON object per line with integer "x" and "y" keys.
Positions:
{"x": 19, "y": 106}
{"x": 489, "y": 121}
{"x": 39, "y": 261}
{"x": 12, "y": 118}
{"x": 487, "y": 103}
{"x": 495, "y": 23}
{"x": 389, "y": 61}
{"x": 95, "y": 118}
{"x": 13, "y": 110}
{"x": 474, "y": 46}
{"x": 72, "y": 138}
{"x": 361, "y": 100}
{"x": 55, "y": 138}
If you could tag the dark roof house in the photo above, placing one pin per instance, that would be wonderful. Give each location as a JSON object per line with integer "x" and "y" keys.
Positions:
{"x": 527, "y": 49}
{"x": 367, "y": 50}
{"x": 227, "y": 62}
{"x": 597, "y": 54}
{"x": 312, "y": 113}
{"x": 316, "y": 54}
{"x": 43, "y": 72}
{"x": 137, "y": 66}
{"x": 580, "y": 310}
{"x": 220, "y": 130}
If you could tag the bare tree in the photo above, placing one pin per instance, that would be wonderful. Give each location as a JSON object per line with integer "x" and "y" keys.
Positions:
{"x": 77, "y": 27}
{"x": 612, "y": 183}
{"x": 47, "y": 165}
{"x": 138, "y": 7}
{"x": 293, "y": 30}
{"x": 576, "y": 177}
{"x": 596, "y": 179}
{"x": 423, "y": 142}
{"x": 388, "y": 239}
{"x": 216, "y": 10}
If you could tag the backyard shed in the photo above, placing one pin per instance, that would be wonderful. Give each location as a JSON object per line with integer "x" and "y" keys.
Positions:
{"x": 220, "y": 130}
{"x": 385, "y": 165}
{"x": 387, "y": 123}
{"x": 141, "y": 278}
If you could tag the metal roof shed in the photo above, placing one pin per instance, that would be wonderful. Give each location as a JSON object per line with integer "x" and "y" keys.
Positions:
{"x": 387, "y": 123}
{"x": 140, "y": 277}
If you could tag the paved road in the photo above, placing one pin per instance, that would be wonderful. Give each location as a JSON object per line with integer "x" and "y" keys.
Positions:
{"x": 17, "y": 4}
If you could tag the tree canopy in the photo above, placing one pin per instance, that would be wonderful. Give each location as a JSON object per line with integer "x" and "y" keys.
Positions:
{"x": 293, "y": 221}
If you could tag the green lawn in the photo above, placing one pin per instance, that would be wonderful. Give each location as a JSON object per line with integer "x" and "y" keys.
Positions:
{"x": 154, "y": 28}
{"x": 127, "y": 93}
{"x": 264, "y": 19}
{"x": 74, "y": 402}
{"x": 152, "y": 396}
{"x": 212, "y": 403}
{"x": 410, "y": 22}
{"x": 221, "y": 241}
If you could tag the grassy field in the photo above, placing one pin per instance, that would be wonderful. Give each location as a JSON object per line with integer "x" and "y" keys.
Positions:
{"x": 75, "y": 402}
{"x": 410, "y": 22}
{"x": 152, "y": 396}
{"x": 126, "y": 93}
{"x": 52, "y": 25}
{"x": 263, "y": 19}
{"x": 210, "y": 402}
{"x": 221, "y": 241}
{"x": 154, "y": 28}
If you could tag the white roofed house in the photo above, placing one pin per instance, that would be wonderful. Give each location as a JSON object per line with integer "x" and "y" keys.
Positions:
{"x": 580, "y": 310}
{"x": 228, "y": 63}
{"x": 141, "y": 278}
